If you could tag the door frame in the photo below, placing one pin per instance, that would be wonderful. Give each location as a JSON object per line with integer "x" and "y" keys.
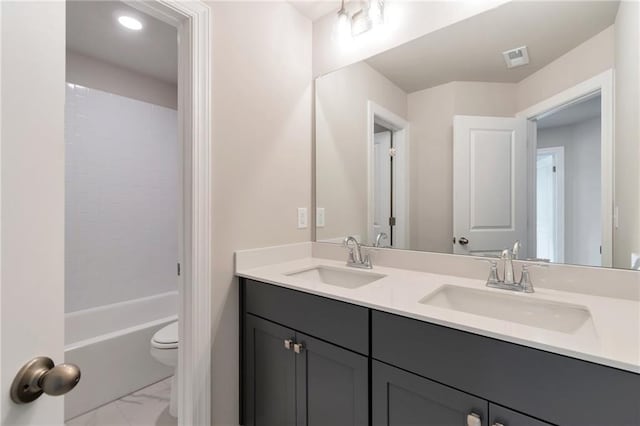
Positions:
{"x": 400, "y": 128}
{"x": 192, "y": 20}
{"x": 602, "y": 83}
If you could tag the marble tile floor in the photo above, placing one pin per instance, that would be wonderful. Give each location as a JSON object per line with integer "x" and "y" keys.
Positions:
{"x": 147, "y": 407}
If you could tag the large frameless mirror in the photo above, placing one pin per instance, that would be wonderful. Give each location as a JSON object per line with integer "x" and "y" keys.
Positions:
{"x": 500, "y": 128}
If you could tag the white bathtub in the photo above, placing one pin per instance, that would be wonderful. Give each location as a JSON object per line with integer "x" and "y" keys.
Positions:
{"x": 111, "y": 345}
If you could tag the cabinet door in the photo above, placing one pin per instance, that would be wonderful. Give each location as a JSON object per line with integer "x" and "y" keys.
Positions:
{"x": 269, "y": 374}
{"x": 404, "y": 399}
{"x": 501, "y": 416}
{"x": 333, "y": 385}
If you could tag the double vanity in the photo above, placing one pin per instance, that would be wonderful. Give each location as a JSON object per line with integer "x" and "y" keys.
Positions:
{"x": 497, "y": 165}
{"x": 327, "y": 344}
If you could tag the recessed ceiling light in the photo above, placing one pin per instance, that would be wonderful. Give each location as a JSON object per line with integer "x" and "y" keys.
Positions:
{"x": 130, "y": 23}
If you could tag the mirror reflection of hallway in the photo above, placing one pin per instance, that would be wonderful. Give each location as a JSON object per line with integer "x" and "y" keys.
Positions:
{"x": 569, "y": 190}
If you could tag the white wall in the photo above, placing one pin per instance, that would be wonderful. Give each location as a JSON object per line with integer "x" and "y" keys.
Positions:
{"x": 627, "y": 134}
{"x": 95, "y": 73}
{"x": 121, "y": 180}
{"x": 341, "y": 144}
{"x": 583, "y": 219}
{"x": 404, "y": 21}
{"x": 262, "y": 112}
{"x": 586, "y": 60}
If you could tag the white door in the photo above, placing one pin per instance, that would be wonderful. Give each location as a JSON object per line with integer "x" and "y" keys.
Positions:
{"x": 489, "y": 184}
{"x": 382, "y": 185}
{"x": 32, "y": 199}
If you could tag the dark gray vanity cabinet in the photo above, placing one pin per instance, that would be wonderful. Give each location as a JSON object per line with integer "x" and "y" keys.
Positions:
{"x": 332, "y": 383}
{"x": 360, "y": 366}
{"x": 500, "y": 416}
{"x": 270, "y": 374}
{"x": 547, "y": 386}
{"x": 292, "y": 378}
{"x": 400, "y": 398}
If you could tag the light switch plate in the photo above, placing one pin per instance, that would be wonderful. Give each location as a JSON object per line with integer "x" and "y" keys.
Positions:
{"x": 303, "y": 218}
{"x": 320, "y": 217}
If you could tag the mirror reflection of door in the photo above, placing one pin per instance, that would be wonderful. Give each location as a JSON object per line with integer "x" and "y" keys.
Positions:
{"x": 489, "y": 184}
{"x": 388, "y": 203}
{"x": 491, "y": 206}
{"x": 383, "y": 184}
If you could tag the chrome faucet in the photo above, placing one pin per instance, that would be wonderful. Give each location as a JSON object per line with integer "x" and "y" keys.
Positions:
{"x": 508, "y": 283}
{"x": 507, "y": 262}
{"x": 516, "y": 249}
{"x": 381, "y": 236}
{"x": 507, "y": 257}
{"x": 355, "y": 254}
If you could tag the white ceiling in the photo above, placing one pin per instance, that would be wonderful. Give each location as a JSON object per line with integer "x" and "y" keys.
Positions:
{"x": 573, "y": 114}
{"x": 93, "y": 30}
{"x": 471, "y": 50}
{"x": 314, "y": 9}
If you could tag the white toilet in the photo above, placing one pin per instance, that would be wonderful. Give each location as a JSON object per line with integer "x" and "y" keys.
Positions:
{"x": 164, "y": 348}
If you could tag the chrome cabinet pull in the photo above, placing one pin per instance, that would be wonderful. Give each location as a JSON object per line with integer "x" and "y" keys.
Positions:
{"x": 288, "y": 343}
{"x": 463, "y": 241}
{"x": 474, "y": 419}
{"x": 298, "y": 347}
{"x": 41, "y": 375}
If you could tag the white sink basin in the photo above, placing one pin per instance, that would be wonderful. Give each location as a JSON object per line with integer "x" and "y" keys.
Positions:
{"x": 523, "y": 309}
{"x": 336, "y": 276}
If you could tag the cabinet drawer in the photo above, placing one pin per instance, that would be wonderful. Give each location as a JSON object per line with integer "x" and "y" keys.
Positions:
{"x": 337, "y": 322}
{"x": 554, "y": 388}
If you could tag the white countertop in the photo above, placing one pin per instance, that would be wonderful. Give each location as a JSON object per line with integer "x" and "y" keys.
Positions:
{"x": 611, "y": 337}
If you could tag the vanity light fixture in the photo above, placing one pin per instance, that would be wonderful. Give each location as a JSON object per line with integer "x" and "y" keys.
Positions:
{"x": 361, "y": 21}
{"x": 130, "y": 22}
{"x": 342, "y": 30}
{"x": 376, "y": 11}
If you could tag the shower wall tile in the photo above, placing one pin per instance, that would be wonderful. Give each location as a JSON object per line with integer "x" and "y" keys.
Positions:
{"x": 121, "y": 198}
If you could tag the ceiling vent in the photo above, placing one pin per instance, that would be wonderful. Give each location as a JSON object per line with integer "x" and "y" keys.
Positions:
{"x": 516, "y": 57}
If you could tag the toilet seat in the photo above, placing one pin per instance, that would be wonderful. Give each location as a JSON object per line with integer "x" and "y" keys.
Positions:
{"x": 166, "y": 337}
{"x": 164, "y": 348}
